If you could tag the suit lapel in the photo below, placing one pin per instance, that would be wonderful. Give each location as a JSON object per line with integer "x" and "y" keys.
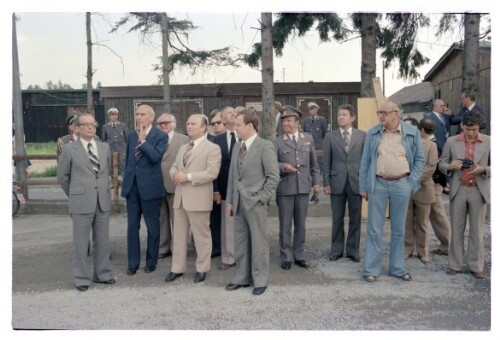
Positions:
{"x": 479, "y": 150}
{"x": 101, "y": 155}
{"x": 337, "y": 137}
{"x": 289, "y": 142}
{"x": 198, "y": 150}
{"x": 252, "y": 153}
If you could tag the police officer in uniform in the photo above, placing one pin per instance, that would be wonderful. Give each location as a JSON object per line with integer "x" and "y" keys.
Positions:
{"x": 115, "y": 134}
{"x": 299, "y": 172}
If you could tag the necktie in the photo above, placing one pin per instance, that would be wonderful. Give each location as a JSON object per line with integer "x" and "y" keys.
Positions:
{"x": 189, "y": 150}
{"x": 137, "y": 151}
{"x": 94, "y": 161}
{"x": 346, "y": 139}
{"x": 233, "y": 140}
{"x": 294, "y": 140}
{"x": 113, "y": 125}
{"x": 243, "y": 150}
{"x": 442, "y": 119}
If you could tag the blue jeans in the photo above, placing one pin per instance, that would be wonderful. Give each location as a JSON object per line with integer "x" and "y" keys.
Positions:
{"x": 398, "y": 194}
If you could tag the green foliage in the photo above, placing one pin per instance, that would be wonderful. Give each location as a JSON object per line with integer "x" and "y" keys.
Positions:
{"x": 50, "y": 171}
{"x": 41, "y": 148}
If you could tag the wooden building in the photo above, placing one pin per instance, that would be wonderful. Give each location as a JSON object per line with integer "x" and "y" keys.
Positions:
{"x": 202, "y": 98}
{"x": 446, "y": 78}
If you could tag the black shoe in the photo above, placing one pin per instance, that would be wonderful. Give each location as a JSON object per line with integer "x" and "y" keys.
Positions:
{"x": 286, "y": 265}
{"x": 131, "y": 271}
{"x": 234, "y": 286}
{"x": 335, "y": 257}
{"x": 199, "y": 277}
{"x": 172, "y": 276}
{"x": 111, "y": 281}
{"x": 302, "y": 264}
{"x": 354, "y": 258}
{"x": 82, "y": 288}
{"x": 215, "y": 254}
{"x": 164, "y": 255}
{"x": 149, "y": 269}
{"x": 258, "y": 290}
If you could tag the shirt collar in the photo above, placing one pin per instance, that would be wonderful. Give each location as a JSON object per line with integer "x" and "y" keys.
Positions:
{"x": 479, "y": 138}
{"x": 249, "y": 141}
{"x": 349, "y": 130}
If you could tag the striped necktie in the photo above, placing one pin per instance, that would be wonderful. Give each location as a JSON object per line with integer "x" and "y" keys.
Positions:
{"x": 243, "y": 150}
{"x": 188, "y": 153}
{"x": 94, "y": 161}
{"x": 137, "y": 151}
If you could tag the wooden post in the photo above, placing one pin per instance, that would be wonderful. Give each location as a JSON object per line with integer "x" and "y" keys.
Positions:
{"x": 116, "y": 197}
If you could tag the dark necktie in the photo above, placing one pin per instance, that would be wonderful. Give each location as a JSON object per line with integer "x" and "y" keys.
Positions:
{"x": 294, "y": 140}
{"x": 243, "y": 150}
{"x": 189, "y": 150}
{"x": 137, "y": 151}
{"x": 113, "y": 125}
{"x": 94, "y": 161}
{"x": 346, "y": 140}
{"x": 233, "y": 140}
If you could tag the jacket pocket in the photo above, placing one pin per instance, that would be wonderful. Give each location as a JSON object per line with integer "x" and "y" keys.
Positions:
{"x": 77, "y": 191}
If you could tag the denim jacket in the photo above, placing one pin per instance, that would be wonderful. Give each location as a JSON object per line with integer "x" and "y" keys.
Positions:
{"x": 414, "y": 154}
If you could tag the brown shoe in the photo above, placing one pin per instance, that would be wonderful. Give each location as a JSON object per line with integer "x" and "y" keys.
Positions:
{"x": 439, "y": 252}
{"x": 478, "y": 275}
{"x": 450, "y": 271}
{"x": 424, "y": 259}
{"x": 354, "y": 258}
{"x": 335, "y": 257}
{"x": 225, "y": 266}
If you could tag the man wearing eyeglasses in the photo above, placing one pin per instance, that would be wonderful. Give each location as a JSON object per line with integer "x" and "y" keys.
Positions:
{"x": 167, "y": 123}
{"x": 115, "y": 134}
{"x": 83, "y": 173}
{"x": 216, "y": 125}
{"x": 391, "y": 165}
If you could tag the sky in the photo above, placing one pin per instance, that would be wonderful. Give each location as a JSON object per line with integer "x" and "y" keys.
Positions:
{"x": 52, "y": 46}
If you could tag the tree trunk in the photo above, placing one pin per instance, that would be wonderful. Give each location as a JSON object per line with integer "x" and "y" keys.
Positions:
{"x": 368, "y": 54}
{"x": 17, "y": 107}
{"x": 470, "y": 66}
{"x": 268, "y": 127}
{"x": 90, "y": 97}
{"x": 167, "y": 100}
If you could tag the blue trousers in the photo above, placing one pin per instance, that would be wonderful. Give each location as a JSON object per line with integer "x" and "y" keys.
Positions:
{"x": 397, "y": 194}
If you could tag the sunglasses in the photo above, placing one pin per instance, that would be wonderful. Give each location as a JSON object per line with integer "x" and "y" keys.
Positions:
{"x": 216, "y": 123}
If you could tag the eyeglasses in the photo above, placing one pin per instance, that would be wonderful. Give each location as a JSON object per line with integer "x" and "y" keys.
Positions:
{"x": 385, "y": 113}
{"x": 88, "y": 124}
{"x": 162, "y": 123}
{"x": 217, "y": 122}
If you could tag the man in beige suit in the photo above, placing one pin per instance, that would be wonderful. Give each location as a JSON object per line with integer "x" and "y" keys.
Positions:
{"x": 167, "y": 123}
{"x": 417, "y": 233}
{"x": 467, "y": 158}
{"x": 195, "y": 168}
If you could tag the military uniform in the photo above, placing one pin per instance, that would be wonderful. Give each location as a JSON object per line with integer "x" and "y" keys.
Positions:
{"x": 115, "y": 134}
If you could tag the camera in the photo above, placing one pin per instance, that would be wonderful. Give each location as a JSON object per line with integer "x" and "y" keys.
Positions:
{"x": 466, "y": 163}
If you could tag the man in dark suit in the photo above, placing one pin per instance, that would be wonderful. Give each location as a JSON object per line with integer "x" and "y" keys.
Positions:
{"x": 115, "y": 134}
{"x": 342, "y": 150}
{"x": 83, "y": 173}
{"x": 442, "y": 122}
{"x": 143, "y": 187}
{"x": 298, "y": 173}
{"x": 468, "y": 102}
{"x": 167, "y": 123}
{"x": 253, "y": 178}
{"x": 225, "y": 230}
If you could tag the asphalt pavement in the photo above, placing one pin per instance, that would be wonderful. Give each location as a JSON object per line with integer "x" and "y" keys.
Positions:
{"x": 329, "y": 296}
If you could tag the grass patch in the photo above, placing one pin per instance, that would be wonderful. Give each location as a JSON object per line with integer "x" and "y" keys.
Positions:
{"x": 51, "y": 171}
{"x": 49, "y": 148}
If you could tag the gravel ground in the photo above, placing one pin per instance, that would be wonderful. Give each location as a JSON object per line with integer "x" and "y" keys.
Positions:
{"x": 328, "y": 296}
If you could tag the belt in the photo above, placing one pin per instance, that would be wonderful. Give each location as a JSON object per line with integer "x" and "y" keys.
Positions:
{"x": 469, "y": 184}
{"x": 397, "y": 178}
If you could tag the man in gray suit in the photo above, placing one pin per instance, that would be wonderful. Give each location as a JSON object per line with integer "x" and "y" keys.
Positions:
{"x": 342, "y": 150}
{"x": 252, "y": 182}
{"x": 466, "y": 157}
{"x": 115, "y": 134}
{"x": 83, "y": 173}
{"x": 167, "y": 123}
{"x": 298, "y": 173}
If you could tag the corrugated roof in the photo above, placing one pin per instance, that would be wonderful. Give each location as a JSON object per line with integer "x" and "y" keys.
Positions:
{"x": 418, "y": 93}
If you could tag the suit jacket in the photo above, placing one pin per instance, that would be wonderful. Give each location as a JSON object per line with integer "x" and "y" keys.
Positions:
{"x": 220, "y": 183}
{"x": 253, "y": 178}
{"x": 147, "y": 169}
{"x": 442, "y": 129}
{"x": 455, "y": 149}
{"x": 78, "y": 180}
{"x": 203, "y": 165}
{"x": 303, "y": 157}
{"x": 425, "y": 195}
{"x": 317, "y": 130}
{"x": 116, "y": 136}
{"x": 456, "y": 118}
{"x": 339, "y": 164}
{"x": 169, "y": 157}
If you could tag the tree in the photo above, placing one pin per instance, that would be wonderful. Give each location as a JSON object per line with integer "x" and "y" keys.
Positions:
{"x": 268, "y": 123}
{"x": 470, "y": 65}
{"x": 90, "y": 72}
{"x": 175, "y": 37}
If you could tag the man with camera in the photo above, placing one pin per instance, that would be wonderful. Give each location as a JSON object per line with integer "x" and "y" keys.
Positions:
{"x": 466, "y": 157}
